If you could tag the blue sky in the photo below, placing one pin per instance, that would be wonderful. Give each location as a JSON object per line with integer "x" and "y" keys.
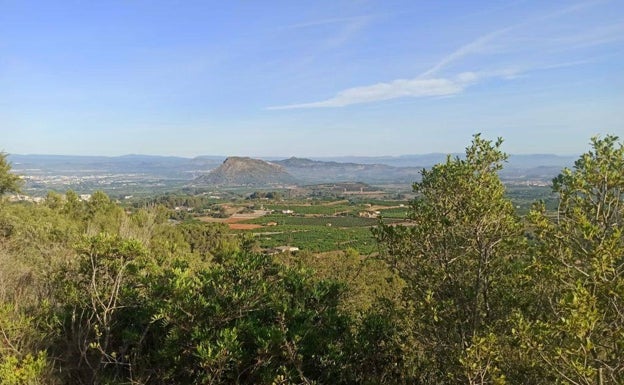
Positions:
{"x": 319, "y": 78}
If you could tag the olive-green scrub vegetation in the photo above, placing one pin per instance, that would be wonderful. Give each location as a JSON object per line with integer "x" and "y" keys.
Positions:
{"x": 463, "y": 291}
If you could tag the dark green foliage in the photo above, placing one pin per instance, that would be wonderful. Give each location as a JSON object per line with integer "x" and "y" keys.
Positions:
{"x": 9, "y": 182}
{"x": 209, "y": 239}
{"x": 579, "y": 339}
{"x": 367, "y": 280}
{"x": 99, "y": 309}
{"x": 248, "y": 320}
{"x": 463, "y": 293}
{"x": 383, "y": 350}
{"x": 454, "y": 258}
{"x": 273, "y": 195}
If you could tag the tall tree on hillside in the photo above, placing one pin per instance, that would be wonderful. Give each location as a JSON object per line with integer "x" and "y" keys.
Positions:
{"x": 579, "y": 267}
{"x": 455, "y": 258}
{"x": 9, "y": 182}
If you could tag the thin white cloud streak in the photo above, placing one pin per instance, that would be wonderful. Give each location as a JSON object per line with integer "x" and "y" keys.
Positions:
{"x": 335, "y": 33}
{"x": 348, "y": 27}
{"x": 424, "y": 85}
{"x": 515, "y": 72}
{"x": 598, "y": 36}
{"x": 479, "y": 45}
{"x": 396, "y": 89}
{"x": 419, "y": 87}
{"x": 466, "y": 50}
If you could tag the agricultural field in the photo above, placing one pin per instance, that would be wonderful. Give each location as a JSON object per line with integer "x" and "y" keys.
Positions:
{"x": 318, "y": 238}
{"x": 319, "y": 226}
{"x": 395, "y": 212}
{"x": 325, "y": 221}
{"x": 523, "y": 197}
{"x": 334, "y": 208}
{"x": 312, "y": 224}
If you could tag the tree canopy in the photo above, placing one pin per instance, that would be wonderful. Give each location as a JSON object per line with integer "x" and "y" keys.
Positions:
{"x": 9, "y": 182}
{"x": 464, "y": 291}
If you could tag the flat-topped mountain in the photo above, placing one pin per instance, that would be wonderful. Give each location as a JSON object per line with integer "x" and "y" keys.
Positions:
{"x": 244, "y": 171}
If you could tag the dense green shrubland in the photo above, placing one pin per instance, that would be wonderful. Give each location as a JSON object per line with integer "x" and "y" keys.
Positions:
{"x": 467, "y": 292}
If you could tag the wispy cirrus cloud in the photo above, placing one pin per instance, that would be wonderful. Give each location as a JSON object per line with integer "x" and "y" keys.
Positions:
{"x": 603, "y": 34}
{"x": 395, "y": 89}
{"x": 317, "y": 37}
{"x": 340, "y": 30}
{"x": 429, "y": 84}
{"x": 424, "y": 85}
{"x": 471, "y": 48}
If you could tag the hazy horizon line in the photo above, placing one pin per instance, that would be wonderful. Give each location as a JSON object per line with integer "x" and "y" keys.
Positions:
{"x": 278, "y": 156}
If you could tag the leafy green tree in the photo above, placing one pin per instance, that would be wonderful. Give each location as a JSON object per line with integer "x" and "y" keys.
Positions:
{"x": 99, "y": 311}
{"x": 209, "y": 240}
{"x": 143, "y": 223}
{"x": 367, "y": 279}
{"x": 54, "y": 200}
{"x": 73, "y": 206}
{"x": 9, "y": 182}
{"x": 383, "y": 349}
{"x": 103, "y": 215}
{"x": 248, "y": 320}
{"x": 579, "y": 268}
{"x": 454, "y": 258}
{"x": 168, "y": 243}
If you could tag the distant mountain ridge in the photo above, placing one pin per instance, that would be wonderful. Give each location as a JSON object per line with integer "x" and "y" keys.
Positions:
{"x": 428, "y": 160}
{"x": 271, "y": 171}
{"x": 316, "y": 171}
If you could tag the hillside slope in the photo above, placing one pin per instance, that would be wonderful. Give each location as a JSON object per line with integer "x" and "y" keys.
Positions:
{"x": 314, "y": 171}
{"x": 244, "y": 171}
